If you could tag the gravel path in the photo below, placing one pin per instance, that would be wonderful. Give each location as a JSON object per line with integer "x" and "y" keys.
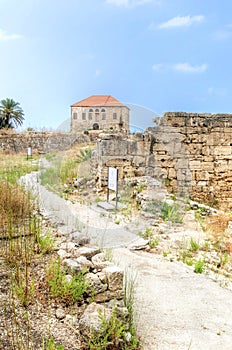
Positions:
{"x": 77, "y": 219}
{"x": 175, "y": 308}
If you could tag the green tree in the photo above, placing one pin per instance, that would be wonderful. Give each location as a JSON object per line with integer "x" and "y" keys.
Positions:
{"x": 11, "y": 114}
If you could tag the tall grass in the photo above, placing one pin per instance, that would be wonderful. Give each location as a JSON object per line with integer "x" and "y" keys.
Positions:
{"x": 15, "y": 165}
{"x": 62, "y": 170}
{"x": 15, "y": 209}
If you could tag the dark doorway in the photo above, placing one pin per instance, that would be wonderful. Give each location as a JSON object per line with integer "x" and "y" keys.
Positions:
{"x": 95, "y": 126}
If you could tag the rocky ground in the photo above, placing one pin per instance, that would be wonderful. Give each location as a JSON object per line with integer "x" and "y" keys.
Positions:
{"x": 178, "y": 305}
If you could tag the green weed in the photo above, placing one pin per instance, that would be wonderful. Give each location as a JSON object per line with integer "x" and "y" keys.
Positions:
{"x": 49, "y": 344}
{"x": 59, "y": 287}
{"x": 171, "y": 212}
{"x": 84, "y": 155}
{"x": 199, "y": 266}
{"x": 153, "y": 242}
{"x": 194, "y": 246}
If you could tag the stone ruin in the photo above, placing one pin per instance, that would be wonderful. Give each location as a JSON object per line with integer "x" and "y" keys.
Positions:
{"x": 191, "y": 153}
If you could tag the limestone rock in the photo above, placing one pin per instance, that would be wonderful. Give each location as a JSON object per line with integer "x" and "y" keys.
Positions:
{"x": 100, "y": 262}
{"x": 68, "y": 246}
{"x": 96, "y": 286}
{"x": 88, "y": 252}
{"x": 63, "y": 254}
{"x": 72, "y": 265}
{"x": 108, "y": 295}
{"x": 90, "y": 322}
{"x": 114, "y": 276}
{"x": 84, "y": 262}
{"x": 60, "y": 313}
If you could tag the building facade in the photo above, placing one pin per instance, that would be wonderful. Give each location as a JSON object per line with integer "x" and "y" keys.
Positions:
{"x": 100, "y": 112}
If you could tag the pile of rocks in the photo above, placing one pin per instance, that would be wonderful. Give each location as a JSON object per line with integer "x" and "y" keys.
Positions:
{"x": 105, "y": 291}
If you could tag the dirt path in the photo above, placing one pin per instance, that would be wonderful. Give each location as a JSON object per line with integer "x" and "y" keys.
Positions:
{"x": 175, "y": 308}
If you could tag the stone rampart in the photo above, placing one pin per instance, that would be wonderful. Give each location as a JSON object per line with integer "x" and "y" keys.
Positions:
{"x": 40, "y": 142}
{"x": 190, "y": 152}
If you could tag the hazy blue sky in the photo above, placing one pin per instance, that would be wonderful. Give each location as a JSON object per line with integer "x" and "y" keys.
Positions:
{"x": 166, "y": 55}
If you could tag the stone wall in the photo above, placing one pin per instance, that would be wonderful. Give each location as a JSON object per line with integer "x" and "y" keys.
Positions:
{"x": 191, "y": 153}
{"x": 40, "y": 142}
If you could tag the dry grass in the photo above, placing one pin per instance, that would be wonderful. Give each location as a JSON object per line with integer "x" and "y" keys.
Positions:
{"x": 15, "y": 207}
{"x": 216, "y": 227}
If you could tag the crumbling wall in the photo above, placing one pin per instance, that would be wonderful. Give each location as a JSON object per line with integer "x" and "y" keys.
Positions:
{"x": 40, "y": 142}
{"x": 191, "y": 153}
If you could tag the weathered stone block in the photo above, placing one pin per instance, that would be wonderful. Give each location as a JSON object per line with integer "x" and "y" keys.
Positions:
{"x": 202, "y": 176}
{"x": 208, "y": 166}
{"x": 109, "y": 295}
{"x": 114, "y": 276}
{"x": 221, "y": 166}
{"x": 195, "y": 164}
{"x": 91, "y": 322}
{"x": 138, "y": 161}
{"x": 84, "y": 262}
{"x": 88, "y": 252}
{"x": 222, "y": 150}
{"x": 96, "y": 286}
{"x": 72, "y": 265}
{"x": 172, "y": 173}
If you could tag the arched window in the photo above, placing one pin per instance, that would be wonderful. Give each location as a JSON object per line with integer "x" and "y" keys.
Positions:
{"x": 103, "y": 113}
{"x": 90, "y": 114}
{"x": 97, "y": 110}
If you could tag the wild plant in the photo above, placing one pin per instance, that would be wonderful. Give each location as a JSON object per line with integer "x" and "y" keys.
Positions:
{"x": 199, "y": 266}
{"x": 23, "y": 284}
{"x": 194, "y": 246}
{"x": 60, "y": 287}
{"x": 113, "y": 334}
{"x": 49, "y": 344}
{"x": 84, "y": 155}
{"x": 171, "y": 212}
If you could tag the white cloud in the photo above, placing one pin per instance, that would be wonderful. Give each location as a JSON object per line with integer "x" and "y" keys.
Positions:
{"x": 188, "y": 68}
{"x": 181, "y": 21}
{"x": 222, "y": 35}
{"x": 217, "y": 91}
{"x": 4, "y": 36}
{"x": 158, "y": 67}
{"x": 179, "y": 67}
{"x": 97, "y": 73}
{"x": 129, "y": 3}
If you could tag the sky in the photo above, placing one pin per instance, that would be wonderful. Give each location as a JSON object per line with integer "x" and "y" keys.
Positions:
{"x": 163, "y": 55}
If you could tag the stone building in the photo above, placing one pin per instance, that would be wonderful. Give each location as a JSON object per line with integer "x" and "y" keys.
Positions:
{"x": 99, "y": 112}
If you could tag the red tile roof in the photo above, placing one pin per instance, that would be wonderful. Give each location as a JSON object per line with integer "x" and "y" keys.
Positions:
{"x": 99, "y": 101}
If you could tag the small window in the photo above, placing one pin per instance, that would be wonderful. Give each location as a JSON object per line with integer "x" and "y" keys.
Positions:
{"x": 97, "y": 110}
{"x": 103, "y": 116}
{"x": 103, "y": 110}
{"x": 114, "y": 115}
{"x": 74, "y": 115}
{"x": 83, "y": 116}
{"x": 91, "y": 110}
{"x": 90, "y": 115}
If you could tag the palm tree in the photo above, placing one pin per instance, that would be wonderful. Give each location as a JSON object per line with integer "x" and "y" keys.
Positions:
{"x": 11, "y": 114}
